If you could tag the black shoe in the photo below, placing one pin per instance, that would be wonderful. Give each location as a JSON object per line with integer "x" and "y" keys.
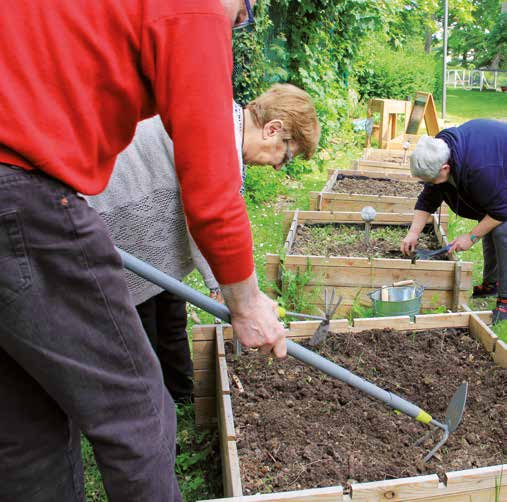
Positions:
{"x": 485, "y": 289}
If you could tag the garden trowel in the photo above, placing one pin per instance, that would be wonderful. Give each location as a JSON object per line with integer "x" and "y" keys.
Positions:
{"x": 456, "y": 406}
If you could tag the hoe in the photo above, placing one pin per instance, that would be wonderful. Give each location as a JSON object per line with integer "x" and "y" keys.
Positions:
{"x": 455, "y": 408}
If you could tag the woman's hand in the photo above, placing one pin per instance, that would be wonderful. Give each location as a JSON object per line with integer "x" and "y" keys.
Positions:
{"x": 409, "y": 243}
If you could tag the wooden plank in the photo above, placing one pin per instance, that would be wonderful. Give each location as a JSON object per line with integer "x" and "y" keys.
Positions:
{"x": 203, "y": 332}
{"x": 223, "y": 375}
{"x": 320, "y": 217}
{"x": 500, "y": 357}
{"x": 220, "y": 344}
{"x": 394, "y": 263}
{"x": 231, "y": 472}
{"x": 479, "y": 329}
{"x": 314, "y": 201}
{"x": 292, "y": 233}
{"x": 398, "y": 323}
{"x": 330, "y": 494}
{"x": 396, "y": 489}
{"x": 226, "y": 417}
{"x": 204, "y": 358}
{"x": 451, "y": 320}
{"x": 359, "y": 197}
{"x": 477, "y": 479}
{"x": 305, "y": 329}
{"x": 205, "y": 409}
{"x": 345, "y": 217}
{"x": 204, "y": 383}
{"x": 456, "y": 285}
{"x": 354, "y": 205}
{"x": 374, "y": 277}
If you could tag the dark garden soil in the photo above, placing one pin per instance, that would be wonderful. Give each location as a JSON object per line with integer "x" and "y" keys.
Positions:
{"x": 298, "y": 428}
{"x": 349, "y": 240}
{"x": 376, "y": 186}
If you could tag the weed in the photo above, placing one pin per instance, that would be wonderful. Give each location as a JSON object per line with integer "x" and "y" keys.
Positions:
{"x": 498, "y": 486}
{"x": 359, "y": 310}
{"x": 291, "y": 293}
{"x": 195, "y": 465}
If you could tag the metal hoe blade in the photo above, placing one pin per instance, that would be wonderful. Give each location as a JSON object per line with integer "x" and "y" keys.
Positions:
{"x": 453, "y": 417}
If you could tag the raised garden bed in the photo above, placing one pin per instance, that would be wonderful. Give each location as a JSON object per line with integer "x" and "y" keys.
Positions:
{"x": 447, "y": 282}
{"x": 352, "y": 190}
{"x": 292, "y": 429}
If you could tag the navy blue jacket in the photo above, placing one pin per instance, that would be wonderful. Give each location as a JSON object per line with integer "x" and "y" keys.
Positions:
{"x": 479, "y": 168}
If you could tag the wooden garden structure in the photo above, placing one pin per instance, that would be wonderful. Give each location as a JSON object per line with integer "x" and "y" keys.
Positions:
{"x": 385, "y": 161}
{"x": 389, "y": 109}
{"x": 446, "y": 283}
{"x": 214, "y": 406}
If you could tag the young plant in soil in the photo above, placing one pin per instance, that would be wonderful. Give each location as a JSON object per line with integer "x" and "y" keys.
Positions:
{"x": 301, "y": 429}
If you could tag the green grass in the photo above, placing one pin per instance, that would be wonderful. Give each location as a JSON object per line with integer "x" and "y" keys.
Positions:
{"x": 465, "y": 105}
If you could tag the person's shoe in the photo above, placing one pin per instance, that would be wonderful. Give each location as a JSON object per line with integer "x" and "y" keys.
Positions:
{"x": 485, "y": 289}
{"x": 500, "y": 312}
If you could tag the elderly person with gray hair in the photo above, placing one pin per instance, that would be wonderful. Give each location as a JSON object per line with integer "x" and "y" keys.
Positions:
{"x": 466, "y": 167}
{"x": 143, "y": 211}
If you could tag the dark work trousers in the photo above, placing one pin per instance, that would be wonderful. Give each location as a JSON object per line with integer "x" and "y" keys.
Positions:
{"x": 164, "y": 318}
{"x": 73, "y": 356}
{"x": 494, "y": 247}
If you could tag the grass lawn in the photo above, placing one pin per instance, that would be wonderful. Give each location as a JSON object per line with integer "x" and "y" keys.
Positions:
{"x": 198, "y": 465}
{"x": 465, "y": 105}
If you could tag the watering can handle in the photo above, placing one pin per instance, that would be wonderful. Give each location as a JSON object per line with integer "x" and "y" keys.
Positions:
{"x": 408, "y": 282}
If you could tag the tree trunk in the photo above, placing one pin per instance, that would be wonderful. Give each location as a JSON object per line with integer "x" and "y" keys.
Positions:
{"x": 427, "y": 40}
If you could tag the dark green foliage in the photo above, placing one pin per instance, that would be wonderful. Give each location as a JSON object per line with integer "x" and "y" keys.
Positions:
{"x": 383, "y": 72}
{"x": 310, "y": 43}
{"x": 264, "y": 184}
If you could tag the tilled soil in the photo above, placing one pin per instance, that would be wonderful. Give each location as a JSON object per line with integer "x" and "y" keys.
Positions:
{"x": 376, "y": 186}
{"x": 349, "y": 240}
{"x": 298, "y": 428}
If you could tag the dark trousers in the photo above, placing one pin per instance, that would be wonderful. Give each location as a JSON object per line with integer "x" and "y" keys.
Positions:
{"x": 73, "y": 356}
{"x": 164, "y": 318}
{"x": 494, "y": 247}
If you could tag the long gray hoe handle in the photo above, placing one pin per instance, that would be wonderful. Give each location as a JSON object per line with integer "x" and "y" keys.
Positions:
{"x": 192, "y": 296}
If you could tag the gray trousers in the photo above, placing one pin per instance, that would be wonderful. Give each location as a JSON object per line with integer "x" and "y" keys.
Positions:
{"x": 73, "y": 356}
{"x": 494, "y": 247}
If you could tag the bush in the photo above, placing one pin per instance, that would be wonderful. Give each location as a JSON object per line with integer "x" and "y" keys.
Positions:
{"x": 263, "y": 184}
{"x": 384, "y": 72}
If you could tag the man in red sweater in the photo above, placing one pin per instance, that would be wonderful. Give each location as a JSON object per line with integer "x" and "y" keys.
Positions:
{"x": 77, "y": 76}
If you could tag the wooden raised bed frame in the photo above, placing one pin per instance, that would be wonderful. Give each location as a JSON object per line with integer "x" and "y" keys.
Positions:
{"x": 329, "y": 200}
{"x": 473, "y": 485}
{"x": 448, "y": 282}
{"x": 384, "y": 161}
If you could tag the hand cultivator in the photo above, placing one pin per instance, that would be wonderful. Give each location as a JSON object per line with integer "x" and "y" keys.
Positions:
{"x": 331, "y": 306}
{"x": 455, "y": 408}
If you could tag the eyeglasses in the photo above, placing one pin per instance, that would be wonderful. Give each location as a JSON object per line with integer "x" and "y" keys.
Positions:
{"x": 248, "y": 22}
{"x": 289, "y": 156}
